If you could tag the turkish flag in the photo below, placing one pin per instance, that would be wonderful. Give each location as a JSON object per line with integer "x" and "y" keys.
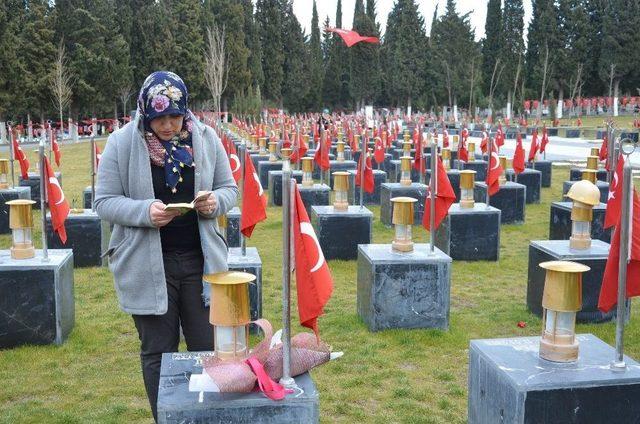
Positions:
{"x": 604, "y": 148}
{"x": 445, "y": 138}
{"x": 352, "y": 37}
{"x": 378, "y": 153}
{"x": 234, "y": 160}
{"x": 484, "y": 144}
{"x": 56, "y": 148}
{"x": 313, "y": 280}
{"x": 518, "y": 156}
{"x": 19, "y": 155}
{"x": 58, "y": 205}
{"x": 418, "y": 159}
{"x": 254, "y": 199}
{"x": 463, "y": 153}
{"x": 500, "y": 136}
{"x": 321, "y": 156}
{"x": 98, "y": 155}
{"x": 445, "y": 197}
{"x": 299, "y": 148}
{"x": 609, "y": 290}
{"x": 493, "y": 174}
{"x": 545, "y": 139}
{"x": 614, "y": 201}
{"x": 534, "y": 146}
{"x": 369, "y": 185}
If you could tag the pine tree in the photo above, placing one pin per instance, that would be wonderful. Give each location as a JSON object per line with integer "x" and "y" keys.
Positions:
{"x": 269, "y": 19}
{"x": 252, "y": 41}
{"x": 365, "y": 75}
{"x": 314, "y": 96}
{"x": 542, "y": 34}
{"x": 493, "y": 42}
{"x": 140, "y": 45}
{"x": 12, "y": 63}
{"x": 296, "y": 85}
{"x": 512, "y": 53}
{"x": 335, "y": 88}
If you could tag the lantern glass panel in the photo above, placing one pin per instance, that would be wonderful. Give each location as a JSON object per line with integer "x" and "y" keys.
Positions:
{"x": 230, "y": 341}
{"x": 405, "y": 176}
{"x": 560, "y": 323}
{"x": 341, "y": 196}
{"x": 340, "y": 156}
{"x": 307, "y": 178}
{"x": 3, "y": 178}
{"x": 581, "y": 229}
{"x": 22, "y": 237}
{"x": 403, "y": 233}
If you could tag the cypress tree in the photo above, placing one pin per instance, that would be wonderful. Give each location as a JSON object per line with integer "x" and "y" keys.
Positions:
{"x": 365, "y": 78}
{"x": 12, "y": 63}
{"x": 335, "y": 88}
{"x": 296, "y": 86}
{"x": 492, "y": 44}
{"x": 269, "y": 19}
{"x": 314, "y": 95}
{"x": 252, "y": 41}
{"x": 543, "y": 33}
{"x": 512, "y": 52}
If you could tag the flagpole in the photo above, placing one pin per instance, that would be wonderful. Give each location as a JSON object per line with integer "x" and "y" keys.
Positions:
{"x": 43, "y": 196}
{"x": 319, "y": 147}
{"x": 93, "y": 171}
{"x": 432, "y": 197}
{"x": 489, "y": 148}
{"x": 243, "y": 240}
{"x": 625, "y": 224}
{"x": 287, "y": 188}
{"x": 11, "y": 157}
{"x": 611, "y": 157}
{"x": 363, "y": 166}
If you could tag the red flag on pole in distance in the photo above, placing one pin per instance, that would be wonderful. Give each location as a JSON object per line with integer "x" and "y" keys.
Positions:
{"x": 56, "y": 148}
{"x": 614, "y": 200}
{"x": 299, "y": 148}
{"x": 321, "y": 156}
{"x": 313, "y": 279}
{"x": 58, "y": 205}
{"x": 484, "y": 144}
{"x": 378, "y": 154}
{"x": 445, "y": 197}
{"x": 609, "y": 290}
{"x": 234, "y": 160}
{"x": 19, "y": 155}
{"x": 604, "y": 148}
{"x": 352, "y": 37}
{"x": 463, "y": 153}
{"x": 493, "y": 174}
{"x": 518, "y": 156}
{"x": 417, "y": 160}
{"x": 254, "y": 199}
{"x": 534, "y": 146}
{"x": 545, "y": 139}
{"x": 499, "y": 136}
{"x": 369, "y": 185}
{"x": 98, "y": 155}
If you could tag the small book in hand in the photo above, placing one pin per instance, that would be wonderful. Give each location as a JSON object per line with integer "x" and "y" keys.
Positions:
{"x": 186, "y": 207}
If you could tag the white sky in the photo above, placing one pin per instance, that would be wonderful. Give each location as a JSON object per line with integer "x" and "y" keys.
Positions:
{"x": 303, "y": 10}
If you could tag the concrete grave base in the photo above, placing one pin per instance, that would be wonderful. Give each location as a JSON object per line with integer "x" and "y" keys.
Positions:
{"x": 315, "y": 195}
{"x": 275, "y": 186}
{"x": 7, "y": 195}
{"x": 510, "y": 200}
{"x": 602, "y": 186}
{"x": 34, "y": 183}
{"x": 340, "y": 232}
{"x": 87, "y": 235}
{"x": 390, "y": 190}
{"x": 560, "y": 222}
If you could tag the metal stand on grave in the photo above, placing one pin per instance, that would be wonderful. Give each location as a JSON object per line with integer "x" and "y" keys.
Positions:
{"x": 93, "y": 172}
{"x": 243, "y": 239}
{"x": 363, "y": 164}
{"x": 432, "y": 194}
{"x": 489, "y": 150}
{"x": 11, "y": 157}
{"x": 43, "y": 197}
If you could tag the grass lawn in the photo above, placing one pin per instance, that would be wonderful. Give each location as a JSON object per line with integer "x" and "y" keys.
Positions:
{"x": 416, "y": 376}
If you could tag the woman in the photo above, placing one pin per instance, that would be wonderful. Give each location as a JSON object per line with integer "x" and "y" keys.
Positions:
{"x": 157, "y": 257}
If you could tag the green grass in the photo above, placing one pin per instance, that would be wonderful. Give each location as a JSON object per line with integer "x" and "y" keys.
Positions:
{"x": 417, "y": 376}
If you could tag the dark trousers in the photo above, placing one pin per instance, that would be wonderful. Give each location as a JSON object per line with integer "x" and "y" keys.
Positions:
{"x": 161, "y": 333}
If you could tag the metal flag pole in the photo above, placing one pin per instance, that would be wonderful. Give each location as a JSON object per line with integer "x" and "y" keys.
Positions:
{"x": 625, "y": 225}
{"x": 319, "y": 147}
{"x": 363, "y": 165}
{"x": 43, "y": 196}
{"x": 433, "y": 192}
{"x": 287, "y": 194}
{"x": 93, "y": 172}
{"x": 11, "y": 158}
{"x": 243, "y": 159}
{"x": 489, "y": 150}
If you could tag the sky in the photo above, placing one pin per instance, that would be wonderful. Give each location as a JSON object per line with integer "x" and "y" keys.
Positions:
{"x": 303, "y": 10}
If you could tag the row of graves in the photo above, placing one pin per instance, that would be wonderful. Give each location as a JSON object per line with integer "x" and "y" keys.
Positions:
{"x": 419, "y": 172}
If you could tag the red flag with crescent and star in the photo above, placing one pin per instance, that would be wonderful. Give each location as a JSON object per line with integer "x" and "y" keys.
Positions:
{"x": 234, "y": 160}
{"x": 518, "y": 156}
{"x": 545, "y": 139}
{"x": 58, "y": 205}
{"x": 484, "y": 144}
{"x": 254, "y": 199}
{"x": 445, "y": 197}
{"x": 56, "y": 148}
{"x": 614, "y": 199}
{"x": 352, "y": 37}
{"x": 369, "y": 183}
{"x": 314, "y": 283}
{"x": 493, "y": 174}
{"x": 19, "y": 155}
{"x": 321, "y": 157}
{"x": 604, "y": 148}
{"x": 378, "y": 153}
{"x": 533, "y": 149}
{"x": 299, "y": 148}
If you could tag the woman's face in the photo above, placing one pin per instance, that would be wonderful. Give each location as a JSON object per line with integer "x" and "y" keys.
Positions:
{"x": 167, "y": 126}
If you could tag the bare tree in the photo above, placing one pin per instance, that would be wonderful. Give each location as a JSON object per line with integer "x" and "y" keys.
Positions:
{"x": 577, "y": 84}
{"x": 216, "y": 60}
{"x": 124, "y": 93}
{"x": 495, "y": 79}
{"x": 61, "y": 81}
{"x": 545, "y": 82}
{"x": 449, "y": 90}
{"x": 611, "y": 77}
{"x": 512, "y": 95}
{"x": 473, "y": 65}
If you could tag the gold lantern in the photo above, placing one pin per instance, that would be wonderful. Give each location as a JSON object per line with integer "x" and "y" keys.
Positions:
{"x": 467, "y": 182}
{"x": 286, "y": 158}
{"x": 471, "y": 148}
{"x": 502, "y": 179}
{"x": 406, "y": 136}
{"x": 21, "y": 224}
{"x": 585, "y": 195}
{"x": 230, "y": 313}
{"x": 340, "y": 187}
{"x": 405, "y": 170}
{"x": 272, "y": 151}
{"x": 561, "y": 300}
{"x": 402, "y": 219}
{"x": 4, "y": 172}
{"x": 254, "y": 142}
{"x": 455, "y": 139}
{"x": 307, "y": 172}
{"x": 305, "y": 138}
{"x": 340, "y": 151}
{"x": 592, "y": 162}
{"x": 406, "y": 148}
{"x": 222, "y": 225}
{"x": 595, "y": 152}
{"x": 262, "y": 146}
{"x": 590, "y": 175}
{"x": 446, "y": 158}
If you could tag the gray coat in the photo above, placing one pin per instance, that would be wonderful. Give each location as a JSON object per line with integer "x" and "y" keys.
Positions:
{"x": 124, "y": 193}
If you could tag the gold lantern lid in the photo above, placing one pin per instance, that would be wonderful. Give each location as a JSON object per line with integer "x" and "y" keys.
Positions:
{"x": 467, "y": 179}
{"x": 307, "y": 164}
{"x": 340, "y": 145}
{"x": 446, "y": 153}
{"x": 403, "y": 210}
{"x": 340, "y": 180}
{"x": 20, "y": 215}
{"x": 503, "y": 162}
{"x": 471, "y": 146}
{"x": 563, "y": 286}
{"x": 285, "y": 152}
{"x": 589, "y": 175}
{"x": 592, "y": 162}
{"x": 585, "y": 192}
{"x": 4, "y": 166}
{"x": 229, "y": 297}
{"x": 595, "y": 151}
{"x": 406, "y": 145}
{"x": 405, "y": 163}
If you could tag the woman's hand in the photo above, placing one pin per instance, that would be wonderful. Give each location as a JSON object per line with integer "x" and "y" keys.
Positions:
{"x": 160, "y": 217}
{"x": 208, "y": 204}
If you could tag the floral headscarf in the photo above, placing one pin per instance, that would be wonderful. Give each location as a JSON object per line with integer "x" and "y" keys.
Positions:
{"x": 164, "y": 93}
